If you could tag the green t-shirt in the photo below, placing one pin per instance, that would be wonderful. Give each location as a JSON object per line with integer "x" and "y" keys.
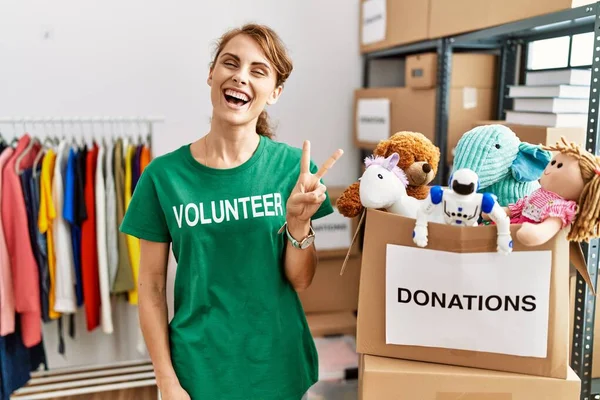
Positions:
{"x": 239, "y": 329}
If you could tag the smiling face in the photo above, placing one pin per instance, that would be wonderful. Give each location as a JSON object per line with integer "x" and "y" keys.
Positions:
{"x": 563, "y": 177}
{"x": 242, "y": 82}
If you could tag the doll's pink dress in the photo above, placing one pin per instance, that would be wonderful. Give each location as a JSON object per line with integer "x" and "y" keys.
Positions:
{"x": 540, "y": 205}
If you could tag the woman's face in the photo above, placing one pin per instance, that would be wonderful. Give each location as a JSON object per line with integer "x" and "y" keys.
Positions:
{"x": 242, "y": 82}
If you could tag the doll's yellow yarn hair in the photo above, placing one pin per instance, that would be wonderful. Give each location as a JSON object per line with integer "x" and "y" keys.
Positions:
{"x": 587, "y": 221}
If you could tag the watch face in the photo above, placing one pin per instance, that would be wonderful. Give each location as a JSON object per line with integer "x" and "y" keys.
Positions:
{"x": 307, "y": 242}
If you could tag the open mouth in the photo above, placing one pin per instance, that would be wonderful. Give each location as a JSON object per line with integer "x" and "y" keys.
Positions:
{"x": 235, "y": 98}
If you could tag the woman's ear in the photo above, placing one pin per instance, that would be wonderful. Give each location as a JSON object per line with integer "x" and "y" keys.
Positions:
{"x": 209, "y": 79}
{"x": 274, "y": 96}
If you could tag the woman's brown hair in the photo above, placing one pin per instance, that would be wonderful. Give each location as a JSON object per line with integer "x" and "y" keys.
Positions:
{"x": 275, "y": 52}
{"x": 587, "y": 221}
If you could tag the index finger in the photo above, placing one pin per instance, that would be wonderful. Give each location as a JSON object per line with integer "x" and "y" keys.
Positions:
{"x": 305, "y": 160}
{"x": 329, "y": 163}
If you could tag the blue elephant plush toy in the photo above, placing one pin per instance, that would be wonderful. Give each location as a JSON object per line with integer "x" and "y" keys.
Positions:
{"x": 506, "y": 167}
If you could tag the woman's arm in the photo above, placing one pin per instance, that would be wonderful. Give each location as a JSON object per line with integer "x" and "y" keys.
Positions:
{"x": 153, "y": 315}
{"x": 300, "y": 265}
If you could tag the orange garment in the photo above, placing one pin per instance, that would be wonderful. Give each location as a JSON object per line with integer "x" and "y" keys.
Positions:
{"x": 89, "y": 245}
{"x": 46, "y": 215}
{"x": 25, "y": 274}
{"x": 144, "y": 158}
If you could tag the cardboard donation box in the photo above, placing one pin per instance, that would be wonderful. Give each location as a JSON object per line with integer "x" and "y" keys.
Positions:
{"x": 332, "y": 324}
{"x": 390, "y": 379}
{"x": 389, "y": 23}
{"x": 460, "y": 302}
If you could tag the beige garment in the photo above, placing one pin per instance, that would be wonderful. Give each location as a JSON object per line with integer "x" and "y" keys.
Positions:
{"x": 124, "y": 279}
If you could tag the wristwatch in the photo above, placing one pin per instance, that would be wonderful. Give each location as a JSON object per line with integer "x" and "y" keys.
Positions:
{"x": 304, "y": 243}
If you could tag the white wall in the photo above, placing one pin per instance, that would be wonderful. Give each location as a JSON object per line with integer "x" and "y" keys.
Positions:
{"x": 67, "y": 57}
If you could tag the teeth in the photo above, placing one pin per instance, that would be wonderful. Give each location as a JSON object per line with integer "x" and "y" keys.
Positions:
{"x": 237, "y": 95}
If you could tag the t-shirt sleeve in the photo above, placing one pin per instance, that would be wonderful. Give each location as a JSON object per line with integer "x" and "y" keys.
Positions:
{"x": 326, "y": 207}
{"x": 145, "y": 218}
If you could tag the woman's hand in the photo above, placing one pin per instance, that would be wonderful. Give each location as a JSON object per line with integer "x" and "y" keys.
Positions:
{"x": 309, "y": 193}
{"x": 174, "y": 392}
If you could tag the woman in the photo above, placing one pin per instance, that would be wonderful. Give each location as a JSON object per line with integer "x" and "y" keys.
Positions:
{"x": 237, "y": 208}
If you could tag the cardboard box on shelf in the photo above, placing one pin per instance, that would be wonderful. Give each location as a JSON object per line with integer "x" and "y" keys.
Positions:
{"x": 331, "y": 292}
{"x": 418, "y": 317}
{"x": 467, "y": 70}
{"x": 334, "y": 232}
{"x": 388, "y": 23}
{"x": 381, "y": 112}
{"x": 541, "y": 134}
{"x": 391, "y": 379}
{"x": 334, "y": 323}
{"x": 454, "y": 17}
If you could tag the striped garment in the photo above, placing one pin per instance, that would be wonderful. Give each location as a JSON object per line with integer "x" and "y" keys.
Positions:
{"x": 540, "y": 205}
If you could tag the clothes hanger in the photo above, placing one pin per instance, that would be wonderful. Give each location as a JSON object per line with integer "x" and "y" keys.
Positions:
{"x": 30, "y": 145}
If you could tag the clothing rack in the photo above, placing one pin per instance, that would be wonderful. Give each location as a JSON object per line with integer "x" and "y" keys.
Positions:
{"x": 135, "y": 122}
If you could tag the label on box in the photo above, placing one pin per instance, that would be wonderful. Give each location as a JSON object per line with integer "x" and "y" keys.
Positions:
{"x": 373, "y": 21}
{"x": 486, "y": 302}
{"x": 469, "y": 98}
{"x": 373, "y": 120}
{"x": 333, "y": 232}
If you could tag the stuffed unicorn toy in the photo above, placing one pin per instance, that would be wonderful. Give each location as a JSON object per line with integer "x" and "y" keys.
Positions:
{"x": 383, "y": 186}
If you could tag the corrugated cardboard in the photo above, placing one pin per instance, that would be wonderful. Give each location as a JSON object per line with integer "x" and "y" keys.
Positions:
{"x": 390, "y": 379}
{"x": 383, "y": 228}
{"x": 414, "y": 110}
{"x": 406, "y": 22}
{"x": 329, "y": 324}
{"x": 541, "y": 134}
{"x": 329, "y": 291}
{"x": 450, "y": 17}
{"x": 347, "y": 230}
{"x": 468, "y": 70}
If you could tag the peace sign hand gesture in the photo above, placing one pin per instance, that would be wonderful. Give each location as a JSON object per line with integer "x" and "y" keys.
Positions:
{"x": 309, "y": 193}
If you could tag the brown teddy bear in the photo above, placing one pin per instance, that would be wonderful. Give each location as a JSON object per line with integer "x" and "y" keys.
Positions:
{"x": 419, "y": 159}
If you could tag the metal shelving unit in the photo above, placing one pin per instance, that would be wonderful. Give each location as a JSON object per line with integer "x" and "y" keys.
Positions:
{"x": 511, "y": 41}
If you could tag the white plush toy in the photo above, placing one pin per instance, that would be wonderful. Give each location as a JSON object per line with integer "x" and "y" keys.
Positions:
{"x": 383, "y": 186}
{"x": 461, "y": 205}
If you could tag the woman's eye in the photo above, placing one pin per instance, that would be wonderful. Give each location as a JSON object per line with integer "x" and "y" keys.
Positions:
{"x": 230, "y": 64}
{"x": 260, "y": 72}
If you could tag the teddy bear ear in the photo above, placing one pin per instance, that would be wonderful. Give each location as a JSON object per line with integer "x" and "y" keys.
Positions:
{"x": 382, "y": 147}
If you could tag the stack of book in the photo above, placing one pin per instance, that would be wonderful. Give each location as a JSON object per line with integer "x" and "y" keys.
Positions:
{"x": 556, "y": 98}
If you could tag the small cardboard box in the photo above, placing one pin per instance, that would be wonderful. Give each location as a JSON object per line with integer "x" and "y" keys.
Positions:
{"x": 390, "y": 379}
{"x": 384, "y": 229}
{"x": 388, "y": 23}
{"x": 406, "y": 109}
{"x": 541, "y": 134}
{"x": 449, "y": 18}
{"x": 468, "y": 70}
{"x": 332, "y": 324}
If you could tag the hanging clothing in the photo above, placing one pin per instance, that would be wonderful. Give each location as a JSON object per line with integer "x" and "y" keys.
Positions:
{"x": 45, "y": 220}
{"x": 14, "y": 363}
{"x": 70, "y": 214}
{"x": 124, "y": 278}
{"x": 144, "y": 158}
{"x": 28, "y": 187}
{"x": 102, "y": 246}
{"x": 22, "y": 262}
{"x": 133, "y": 243}
{"x": 89, "y": 250}
{"x": 136, "y": 167}
{"x": 7, "y": 298}
{"x": 111, "y": 216}
{"x": 64, "y": 289}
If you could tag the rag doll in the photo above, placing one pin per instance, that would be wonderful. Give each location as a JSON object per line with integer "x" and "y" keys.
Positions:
{"x": 569, "y": 196}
